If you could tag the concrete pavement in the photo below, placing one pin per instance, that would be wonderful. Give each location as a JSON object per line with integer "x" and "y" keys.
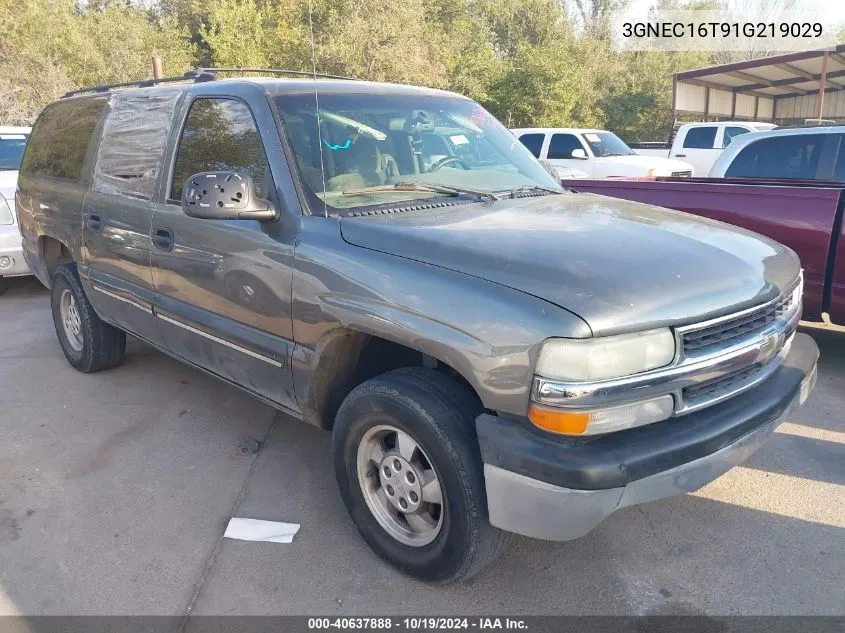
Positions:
{"x": 115, "y": 489}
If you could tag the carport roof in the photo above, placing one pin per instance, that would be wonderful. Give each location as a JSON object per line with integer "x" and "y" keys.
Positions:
{"x": 789, "y": 75}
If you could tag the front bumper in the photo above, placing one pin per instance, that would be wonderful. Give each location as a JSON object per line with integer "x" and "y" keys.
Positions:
{"x": 559, "y": 489}
{"x": 12, "y": 262}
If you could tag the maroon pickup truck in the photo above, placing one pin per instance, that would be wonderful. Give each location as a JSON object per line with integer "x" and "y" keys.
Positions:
{"x": 804, "y": 215}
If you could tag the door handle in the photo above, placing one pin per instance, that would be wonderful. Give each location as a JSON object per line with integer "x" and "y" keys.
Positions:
{"x": 680, "y": 155}
{"x": 163, "y": 239}
{"x": 95, "y": 222}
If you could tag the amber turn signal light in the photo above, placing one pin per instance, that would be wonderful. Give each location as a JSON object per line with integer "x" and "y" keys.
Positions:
{"x": 559, "y": 421}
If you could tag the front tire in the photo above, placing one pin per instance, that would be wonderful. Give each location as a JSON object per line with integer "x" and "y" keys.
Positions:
{"x": 409, "y": 471}
{"x": 89, "y": 343}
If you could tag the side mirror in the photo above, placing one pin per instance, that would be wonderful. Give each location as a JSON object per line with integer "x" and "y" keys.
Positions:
{"x": 579, "y": 154}
{"x": 224, "y": 195}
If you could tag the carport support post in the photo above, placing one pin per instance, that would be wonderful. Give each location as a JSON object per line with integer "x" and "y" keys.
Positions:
{"x": 158, "y": 73}
{"x": 822, "y": 82}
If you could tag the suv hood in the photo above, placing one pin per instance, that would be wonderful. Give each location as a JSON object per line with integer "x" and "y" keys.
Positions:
{"x": 621, "y": 266}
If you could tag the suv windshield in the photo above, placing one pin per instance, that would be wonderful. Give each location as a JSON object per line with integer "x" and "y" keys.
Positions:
{"x": 11, "y": 150}
{"x": 607, "y": 144}
{"x": 425, "y": 145}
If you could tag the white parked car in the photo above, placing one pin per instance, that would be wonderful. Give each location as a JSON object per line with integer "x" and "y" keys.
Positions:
{"x": 12, "y": 143}
{"x": 700, "y": 144}
{"x": 599, "y": 153}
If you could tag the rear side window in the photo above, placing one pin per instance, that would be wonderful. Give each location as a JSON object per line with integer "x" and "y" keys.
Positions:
{"x": 134, "y": 138}
{"x": 562, "y": 145}
{"x": 730, "y": 132}
{"x": 794, "y": 156}
{"x": 59, "y": 141}
{"x": 534, "y": 143}
{"x": 219, "y": 135}
{"x": 700, "y": 137}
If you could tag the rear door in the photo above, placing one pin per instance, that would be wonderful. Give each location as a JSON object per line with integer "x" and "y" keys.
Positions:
{"x": 119, "y": 208}
{"x": 533, "y": 141}
{"x": 224, "y": 287}
{"x": 698, "y": 148}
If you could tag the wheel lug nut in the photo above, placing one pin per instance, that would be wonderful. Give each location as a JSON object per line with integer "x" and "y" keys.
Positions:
{"x": 403, "y": 503}
{"x": 389, "y": 490}
{"x": 387, "y": 471}
{"x": 397, "y": 465}
{"x": 414, "y": 497}
{"x": 410, "y": 477}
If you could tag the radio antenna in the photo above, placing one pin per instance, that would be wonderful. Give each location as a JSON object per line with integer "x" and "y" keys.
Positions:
{"x": 317, "y": 104}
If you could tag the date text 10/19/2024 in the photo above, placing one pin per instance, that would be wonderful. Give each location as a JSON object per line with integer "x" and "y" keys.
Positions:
{"x": 423, "y": 623}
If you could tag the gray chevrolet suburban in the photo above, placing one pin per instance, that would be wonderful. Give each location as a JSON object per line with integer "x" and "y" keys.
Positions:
{"x": 491, "y": 352}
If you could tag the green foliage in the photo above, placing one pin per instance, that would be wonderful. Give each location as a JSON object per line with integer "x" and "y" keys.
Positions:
{"x": 51, "y": 46}
{"x": 530, "y": 62}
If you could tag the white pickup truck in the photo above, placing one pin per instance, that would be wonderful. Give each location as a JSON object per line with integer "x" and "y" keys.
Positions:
{"x": 597, "y": 153}
{"x": 700, "y": 143}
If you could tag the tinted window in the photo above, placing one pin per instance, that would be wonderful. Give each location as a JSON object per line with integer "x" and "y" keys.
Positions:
{"x": 11, "y": 150}
{"x": 60, "y": 138}
{"x": 219, "y": 135}
{"x": 561, "y": 145}
{"x": 700, "y": 137}
{"x": 730, "y": 132}
{"x": 839, "y": 167}
{"x": 534, "y": 143}
{"x": 793, "y": 156}
{"x": 134, "y": 137}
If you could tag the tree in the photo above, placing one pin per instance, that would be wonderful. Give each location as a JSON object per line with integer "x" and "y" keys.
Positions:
{"x": 52, "y": 46}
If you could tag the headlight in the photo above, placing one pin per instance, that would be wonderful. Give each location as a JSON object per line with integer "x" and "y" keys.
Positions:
{"x": 581, "y": 360}
{"x": 5, "y": 212}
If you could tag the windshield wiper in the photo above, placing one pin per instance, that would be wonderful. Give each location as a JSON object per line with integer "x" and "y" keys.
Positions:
{"x": 418, "y": 186}
{"x": 512, "y": 193}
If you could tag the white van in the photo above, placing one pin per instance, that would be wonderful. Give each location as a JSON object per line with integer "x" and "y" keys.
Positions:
{"x": 700, "y": 144}
{"x": 599, "y": 153}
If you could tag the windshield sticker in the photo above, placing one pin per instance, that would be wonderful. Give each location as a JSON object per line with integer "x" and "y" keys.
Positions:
{"x": 479, "y": 116}
{"x": 335, "y": 147}
{"x": 593, "y": 138}
{"x": 459, "y": 139}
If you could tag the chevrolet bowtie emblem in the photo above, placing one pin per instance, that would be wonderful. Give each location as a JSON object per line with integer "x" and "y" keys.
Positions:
{"x": 771, "y": 344}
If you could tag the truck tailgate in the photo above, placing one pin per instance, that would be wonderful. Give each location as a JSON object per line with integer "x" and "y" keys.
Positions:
{"x": 799, "y": 214}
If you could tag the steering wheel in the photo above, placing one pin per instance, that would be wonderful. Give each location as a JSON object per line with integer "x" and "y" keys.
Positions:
{"x": 447, "y": 160}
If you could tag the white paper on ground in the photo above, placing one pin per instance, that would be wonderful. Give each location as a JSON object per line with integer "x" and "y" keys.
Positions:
{"x": 258, "y": 530}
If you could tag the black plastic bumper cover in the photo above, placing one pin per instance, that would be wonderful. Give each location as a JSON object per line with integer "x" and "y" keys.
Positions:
{"x": 616, "y": 459}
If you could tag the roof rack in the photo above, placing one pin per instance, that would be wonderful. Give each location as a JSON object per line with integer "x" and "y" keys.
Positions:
{"x": 192, "y": 75}
{"x": 198, "y": 75}
{"x": 274, "y": 71}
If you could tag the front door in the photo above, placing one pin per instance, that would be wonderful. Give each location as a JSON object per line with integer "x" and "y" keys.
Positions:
{"x": 224, "y": 287}
{"x": 561, "y": 146}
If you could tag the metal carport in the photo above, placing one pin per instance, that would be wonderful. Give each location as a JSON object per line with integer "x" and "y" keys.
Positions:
{"x": 785, "y": 89}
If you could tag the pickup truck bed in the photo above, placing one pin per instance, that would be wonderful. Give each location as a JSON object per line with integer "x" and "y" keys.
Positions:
{"x": 804, "y": 215}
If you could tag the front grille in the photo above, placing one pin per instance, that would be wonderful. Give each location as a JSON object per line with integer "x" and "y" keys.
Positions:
{"x": 721, "y": 386}
{"x": 682, "y": 173}
{"x": 740, "y": 326}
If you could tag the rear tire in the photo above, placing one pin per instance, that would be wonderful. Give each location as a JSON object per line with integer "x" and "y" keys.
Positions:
{"x": 435, "y": 418}
{"x": 89, "y": 343}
